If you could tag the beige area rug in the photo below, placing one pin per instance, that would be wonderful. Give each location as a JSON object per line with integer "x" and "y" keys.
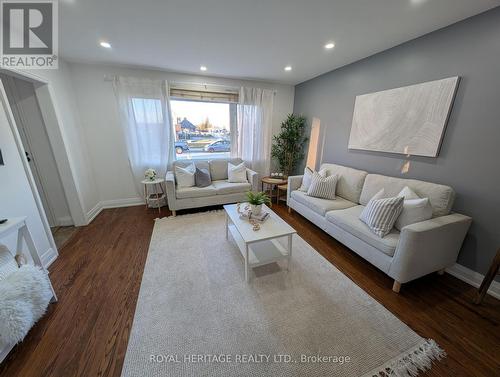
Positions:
{"x": 196, "y": 316}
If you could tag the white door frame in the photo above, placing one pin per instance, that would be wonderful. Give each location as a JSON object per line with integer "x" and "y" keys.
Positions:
{"x": 50, "y": 114}
{"x": 27, "y": 170}
{"x": 27, "y": 143}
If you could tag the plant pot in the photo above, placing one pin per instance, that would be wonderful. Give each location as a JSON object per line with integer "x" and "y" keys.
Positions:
{"x": 256, "y": 209}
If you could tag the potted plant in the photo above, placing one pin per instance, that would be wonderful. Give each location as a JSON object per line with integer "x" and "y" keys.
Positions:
{"x": 288, "y": 145}
{"x": 256, "y": 199}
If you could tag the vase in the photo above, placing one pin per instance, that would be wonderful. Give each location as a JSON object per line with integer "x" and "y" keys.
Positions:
{"x": 256, "y": 209}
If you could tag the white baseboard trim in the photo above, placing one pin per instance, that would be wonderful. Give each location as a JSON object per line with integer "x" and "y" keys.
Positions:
{"x": 48, "y": 257}
{"x": 130, "y": 202}
{"x": 91, "y": 215}
{"x": 115, "y": 203}
{"x": 473, "y": 278}
{"x": 65, "y": 221}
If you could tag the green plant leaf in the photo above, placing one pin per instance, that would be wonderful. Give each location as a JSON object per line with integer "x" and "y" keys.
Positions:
{"x": 288, "y": 146}
{"x": 257, "y": 198}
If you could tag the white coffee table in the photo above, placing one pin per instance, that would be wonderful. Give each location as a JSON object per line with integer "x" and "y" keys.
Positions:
{"x": 259, "y": 247}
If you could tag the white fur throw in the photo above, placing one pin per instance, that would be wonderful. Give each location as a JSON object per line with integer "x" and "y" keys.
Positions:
{"x": 24, "y": 297}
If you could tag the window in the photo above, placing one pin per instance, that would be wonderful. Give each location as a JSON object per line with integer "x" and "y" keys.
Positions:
{"x": 202, "y": 128}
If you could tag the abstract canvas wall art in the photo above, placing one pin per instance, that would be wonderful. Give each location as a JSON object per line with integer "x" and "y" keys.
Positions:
{"x": 410, "y": 120}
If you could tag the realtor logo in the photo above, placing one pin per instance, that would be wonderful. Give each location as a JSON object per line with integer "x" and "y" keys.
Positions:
{"x": 29, "y": 34}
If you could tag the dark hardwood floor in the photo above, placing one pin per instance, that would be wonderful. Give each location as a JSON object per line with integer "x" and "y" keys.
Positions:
{"x": 98, "y": 274}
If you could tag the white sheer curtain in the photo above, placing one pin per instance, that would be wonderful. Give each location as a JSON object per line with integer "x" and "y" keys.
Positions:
{"x": 145, "y": 116}
{"x": 255, "y": 113}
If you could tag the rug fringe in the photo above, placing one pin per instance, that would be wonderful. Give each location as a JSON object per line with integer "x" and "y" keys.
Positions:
{"x": 412, "y": 362}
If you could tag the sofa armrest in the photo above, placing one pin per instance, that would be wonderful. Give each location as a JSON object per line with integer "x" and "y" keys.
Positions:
{"x": 428, "y": 246}
{"x": 253, "y": 179}
{"x": 294, "y": 182}
{"x": 170, "y": 186}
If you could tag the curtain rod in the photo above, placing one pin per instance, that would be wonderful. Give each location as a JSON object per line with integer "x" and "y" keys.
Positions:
{"x": 113, "y": 78}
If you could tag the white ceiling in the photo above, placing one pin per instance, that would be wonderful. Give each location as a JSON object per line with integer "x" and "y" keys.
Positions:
{"x": 252, "y": 39}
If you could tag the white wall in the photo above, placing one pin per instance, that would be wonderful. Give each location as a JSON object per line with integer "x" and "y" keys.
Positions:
{"x": 99, "y": 117}
{"x": 68, "y": 141}
{"x": 16, "y": 197}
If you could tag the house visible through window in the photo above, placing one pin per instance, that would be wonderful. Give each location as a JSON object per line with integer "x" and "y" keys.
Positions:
{"x": 203, "y": 122}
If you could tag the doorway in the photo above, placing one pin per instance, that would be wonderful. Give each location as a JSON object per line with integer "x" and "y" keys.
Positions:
{"x": 38, "y": 150}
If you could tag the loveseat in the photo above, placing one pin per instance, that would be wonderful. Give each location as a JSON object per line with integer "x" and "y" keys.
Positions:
{"x": 219, "y": 192}
{"x": 419, "y": 249}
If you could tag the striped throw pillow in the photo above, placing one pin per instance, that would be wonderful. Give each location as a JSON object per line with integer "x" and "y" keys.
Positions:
{"x": 381, "y": 214}
{"x": 322, "y": 187}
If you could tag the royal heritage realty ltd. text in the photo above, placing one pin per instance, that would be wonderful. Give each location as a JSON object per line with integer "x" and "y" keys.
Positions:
{"x": 248, "y": 358}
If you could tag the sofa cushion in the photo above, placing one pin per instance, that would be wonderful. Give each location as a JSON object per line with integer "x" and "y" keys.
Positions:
{"x": 224, "y": 187}
{"x": 195, "y": 192}
{"x": 348, "y": 220}
{"x": 323, "y": 187}
{"x": 218, "y": 168}
{"x": 380, "y": 214}
{"x": 184, "y": 176}
{"x": 415, "y": 209}
{"x": 441, "y": 197}
{"x": 306, "y": 178}
{"x": 202, "y": 178}
{"x": 319, "y": 205}
{"x": 236, "y": 173}
{"x": 350, "y": 181}
{"x": 200, "y": 164}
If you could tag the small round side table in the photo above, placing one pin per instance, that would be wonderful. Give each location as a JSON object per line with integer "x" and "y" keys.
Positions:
{"x": 283, "y": 188}
{"x": 155, "y": 184}
{"x": 272, "y": 183}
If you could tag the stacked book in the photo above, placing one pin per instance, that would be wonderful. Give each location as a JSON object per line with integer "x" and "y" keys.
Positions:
{"x": 248, "y": 215}
{"x": 263, "y": 216}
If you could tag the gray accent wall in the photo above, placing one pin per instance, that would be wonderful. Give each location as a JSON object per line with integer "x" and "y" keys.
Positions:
{"x": 469, "y": 159}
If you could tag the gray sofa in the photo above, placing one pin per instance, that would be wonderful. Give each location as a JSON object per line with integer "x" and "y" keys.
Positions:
{"x": 419, "y": 249}
{"x": 219, "y": 192}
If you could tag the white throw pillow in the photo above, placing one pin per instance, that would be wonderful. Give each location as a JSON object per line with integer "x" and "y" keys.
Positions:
{"x": 306, "y": 178}
{"x": 381, "y": 214}
{"x": 408, "y": 193}
{"x": 323, "y": 187}
{"x": 8, "y": 264}
{"x": 236, "y": 173}
{"x": 415, "y": 209}
{"x": 185, "y": 176}
{"x": 379, "y": 195}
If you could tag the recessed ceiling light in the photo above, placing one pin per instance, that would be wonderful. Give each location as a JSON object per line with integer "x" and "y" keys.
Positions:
{"x": 105, "y": 44}
{"x": 203, "y": 68}
{"x": 288, "y": 68}
{"x": 330, "y": 45}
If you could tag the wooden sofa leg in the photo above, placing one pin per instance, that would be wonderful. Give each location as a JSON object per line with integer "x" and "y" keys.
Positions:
{"x": 289, "y": 209}
{"x": 396, "y": 286}
{"x": 174, "y": 213}
{"x": 441, "y": 272}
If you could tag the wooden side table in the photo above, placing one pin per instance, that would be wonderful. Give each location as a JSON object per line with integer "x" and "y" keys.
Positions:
{"x": 157, "y": 186}
{"x": 271, "y": 184}
{"x": 488, "y": 278}
{"x": 280, "y": 189}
